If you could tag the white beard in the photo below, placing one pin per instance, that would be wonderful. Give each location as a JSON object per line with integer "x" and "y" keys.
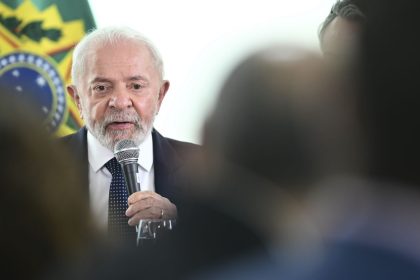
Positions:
{"x": 109, "y": 138}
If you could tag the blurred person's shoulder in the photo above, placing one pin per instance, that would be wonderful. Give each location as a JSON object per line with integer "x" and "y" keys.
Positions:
{"x": 76, "y": 145}
{"x": 77, "y": 136}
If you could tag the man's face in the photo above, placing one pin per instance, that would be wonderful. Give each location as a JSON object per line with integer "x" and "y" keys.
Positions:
{"x": 120, "y": 93}
{"x": 341, "y": 39}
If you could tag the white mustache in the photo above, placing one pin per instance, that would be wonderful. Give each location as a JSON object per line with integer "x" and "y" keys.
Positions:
{"x": 121, "y": 117}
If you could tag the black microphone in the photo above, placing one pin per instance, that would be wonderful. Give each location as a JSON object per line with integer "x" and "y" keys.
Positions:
{"x": 127, "y": 153}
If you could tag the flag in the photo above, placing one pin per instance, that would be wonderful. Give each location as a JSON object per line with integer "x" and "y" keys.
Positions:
{"x": 37, "y": 38}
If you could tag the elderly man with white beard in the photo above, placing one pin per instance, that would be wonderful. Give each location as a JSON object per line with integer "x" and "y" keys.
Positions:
{"x": 118, "y": 87}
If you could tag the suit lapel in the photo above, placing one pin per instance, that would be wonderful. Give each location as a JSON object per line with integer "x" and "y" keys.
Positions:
{"x": 166, "y": 163}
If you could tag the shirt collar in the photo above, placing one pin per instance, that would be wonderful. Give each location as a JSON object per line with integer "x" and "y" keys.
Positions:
{"x": 146, "y": 153}
{"x": 98, "y": 155}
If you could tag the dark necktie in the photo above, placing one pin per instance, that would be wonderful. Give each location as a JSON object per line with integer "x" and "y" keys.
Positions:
{"x": 117, "y": 204}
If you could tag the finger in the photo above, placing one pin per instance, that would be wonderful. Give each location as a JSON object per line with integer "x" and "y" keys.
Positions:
{"x": 140, "y": 205}
{"x": 149, "y": 213}
{"x": 137, "y": 196}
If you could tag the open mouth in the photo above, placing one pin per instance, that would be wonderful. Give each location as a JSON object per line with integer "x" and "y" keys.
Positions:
{"x": 120, "y": 125}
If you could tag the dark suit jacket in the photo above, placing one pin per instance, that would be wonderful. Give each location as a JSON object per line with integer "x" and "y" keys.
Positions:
{"x": 205, "y": 235}
{"x": 169, "y": 158}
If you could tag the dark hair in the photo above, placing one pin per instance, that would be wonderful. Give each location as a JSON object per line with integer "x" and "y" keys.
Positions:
{"x": 346, "y": 9}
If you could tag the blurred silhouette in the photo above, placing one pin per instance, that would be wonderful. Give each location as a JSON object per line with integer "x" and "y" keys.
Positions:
{"x": 371, "y": 223}
{"x": 44, "y": 222}
{"x": 366, "y": 214}
{"x": 288, "y": 118}
{"x": 368, "y": 221}
{"x": 388, "y": 111}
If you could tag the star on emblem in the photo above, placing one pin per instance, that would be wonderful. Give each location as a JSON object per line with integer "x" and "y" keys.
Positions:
{"x": 41, "y": 81}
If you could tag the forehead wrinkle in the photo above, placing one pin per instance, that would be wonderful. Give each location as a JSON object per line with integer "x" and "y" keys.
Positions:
{"x": 108, "y": 80}
{"x": 137, "y": 78}
{"x": 101, "y": 79}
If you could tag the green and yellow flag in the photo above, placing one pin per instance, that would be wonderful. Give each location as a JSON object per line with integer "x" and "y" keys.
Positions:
{"x": 36, "y": 42}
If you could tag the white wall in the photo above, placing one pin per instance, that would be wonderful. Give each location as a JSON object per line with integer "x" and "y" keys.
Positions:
{"x": 201, "y": 41}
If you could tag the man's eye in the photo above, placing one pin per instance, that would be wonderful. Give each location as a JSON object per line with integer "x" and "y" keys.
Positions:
{"x": 136, "y": 86}
{"x": 100, "y": 88}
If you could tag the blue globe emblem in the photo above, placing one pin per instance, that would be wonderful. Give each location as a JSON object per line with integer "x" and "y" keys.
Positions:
{"x": 37, "y": 80}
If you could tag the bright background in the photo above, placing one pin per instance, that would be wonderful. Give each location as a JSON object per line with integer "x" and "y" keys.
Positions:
{"x": 201, "y": 41}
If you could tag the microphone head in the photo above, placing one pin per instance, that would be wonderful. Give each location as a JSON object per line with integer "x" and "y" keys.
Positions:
{"x": 126, "y": 151}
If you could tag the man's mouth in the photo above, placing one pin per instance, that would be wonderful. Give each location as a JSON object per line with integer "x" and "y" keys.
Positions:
{"x": 120, "y": 125}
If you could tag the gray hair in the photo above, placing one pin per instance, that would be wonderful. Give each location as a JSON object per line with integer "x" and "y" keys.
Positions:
{"x": 111, "y": 36}
{"x": 346, "y": 9}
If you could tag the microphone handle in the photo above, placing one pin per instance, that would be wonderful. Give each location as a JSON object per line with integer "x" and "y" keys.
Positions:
{"x": 130, "y": 171}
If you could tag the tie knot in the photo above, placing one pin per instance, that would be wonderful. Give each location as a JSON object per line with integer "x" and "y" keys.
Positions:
{"x": 113, "y": 166}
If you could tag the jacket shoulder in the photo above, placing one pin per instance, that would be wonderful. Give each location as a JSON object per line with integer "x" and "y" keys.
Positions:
{"x": 184, "y": 149}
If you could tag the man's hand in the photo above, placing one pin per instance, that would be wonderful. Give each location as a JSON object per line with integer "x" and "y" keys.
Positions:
{"x": 149, "y": 205}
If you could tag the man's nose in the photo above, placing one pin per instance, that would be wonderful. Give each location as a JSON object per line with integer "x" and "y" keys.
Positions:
{"x": 120, "y": 99}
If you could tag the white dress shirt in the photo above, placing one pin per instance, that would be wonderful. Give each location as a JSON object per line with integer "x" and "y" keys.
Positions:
{"x": 100, "y": 177}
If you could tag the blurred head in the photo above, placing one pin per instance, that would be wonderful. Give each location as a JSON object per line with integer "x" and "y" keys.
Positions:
{"x": 118, "y": 84}
{"x": 283, "y": 115}
{"x": 44, "y": 216}
{"x": 341, "y": 31}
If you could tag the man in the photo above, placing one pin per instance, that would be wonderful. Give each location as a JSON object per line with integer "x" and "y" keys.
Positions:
{"x": 340, "y": 33}
{"x": 118, "y": 87}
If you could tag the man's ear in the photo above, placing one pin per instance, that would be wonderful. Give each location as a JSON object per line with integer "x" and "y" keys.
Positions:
{"x": 72, "y": 90}
{"x": 162, "y": 92}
